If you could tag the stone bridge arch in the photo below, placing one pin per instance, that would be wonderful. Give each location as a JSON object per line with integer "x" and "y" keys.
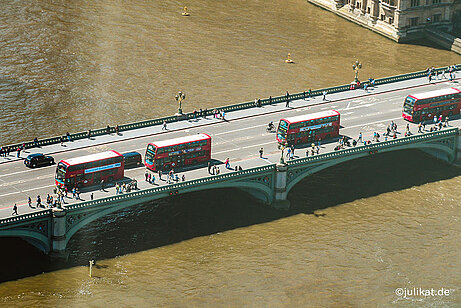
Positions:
{"x": 443, "y": 148}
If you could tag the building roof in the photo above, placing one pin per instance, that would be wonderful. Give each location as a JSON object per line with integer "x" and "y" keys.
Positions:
{"x": 91, "y": 157}
{"x": 311, "y": 116}
{"x": 164, "y": 143}
{"x": 436, "y": 93}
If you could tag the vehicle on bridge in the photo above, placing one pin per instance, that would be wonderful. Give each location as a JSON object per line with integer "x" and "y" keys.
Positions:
{"x": 424, "y": 106}
{"x": 37, "y": 160}
{"x": 178, "y": 152}
{"x": 308, "y": 128}
{"x": 90, "y": 169}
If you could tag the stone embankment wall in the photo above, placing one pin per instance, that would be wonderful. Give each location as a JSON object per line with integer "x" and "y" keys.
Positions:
{"x": 444, "y": 39}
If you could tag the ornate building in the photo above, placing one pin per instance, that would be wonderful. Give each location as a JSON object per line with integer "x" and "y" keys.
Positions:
{"x": 400, "y": 20}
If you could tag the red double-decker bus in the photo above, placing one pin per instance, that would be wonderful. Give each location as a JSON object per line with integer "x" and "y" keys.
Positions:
{"x": 90, "y": 170}
{"x": 308, "y": 128}
{"x": 424, "y": 106}
{"x": 178, "y": 152}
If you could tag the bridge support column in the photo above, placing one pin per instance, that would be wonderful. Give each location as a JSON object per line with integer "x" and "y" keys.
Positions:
{"x": 458, "y": 151}
{"x": 58, "y": 236}
{"x": 280, "y": 199}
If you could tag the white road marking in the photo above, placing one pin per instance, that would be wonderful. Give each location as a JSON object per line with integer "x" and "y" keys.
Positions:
{"x": 247, "y": 147}
{"x": 26, "y": 190}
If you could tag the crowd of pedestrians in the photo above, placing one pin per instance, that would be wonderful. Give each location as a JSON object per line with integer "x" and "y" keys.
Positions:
{"x": 432, "y": 73}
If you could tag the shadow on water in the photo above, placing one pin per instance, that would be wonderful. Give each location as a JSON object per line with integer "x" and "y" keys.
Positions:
{"x": 191, "y": 215}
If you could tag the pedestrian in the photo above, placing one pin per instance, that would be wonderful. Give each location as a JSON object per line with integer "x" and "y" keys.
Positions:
{"x": 183, "y": 178}
{"x": 15, "y": 210}
{"x": 430, "y": 77}
{"x": 217, "y": 170}
{"x": 102, "y": 185}
{"x": 309, "y": 93}
{"x": 293, "y": 149}
{"x": 164, "y": 125}
{"x": 89, "y": 134}
{"x": 270, "y": 99}
{"x": 287, "y": 96}
{"x": 39, "y": 201}
{"x": 435, "y": 119}
{"x": 446, "y": 121}
{"x": 223, "y": 116}
{"x": 227, "y": 163}
{"x": 160, "y": 174}
{"x": 146, "y": 176}
{"x": 29, "y": 201}
{"x": 152, "y": 179}
{"x": 324, "y": 95}
{"x": 176, "y": 178}
{"x": 365, "y": 87}
{"x": 419, "y": 127}
{"x": 261, "y": 151}
{"x": 317, "y": 150}
{"x": 209, "y": 167}
{"x": 18, "y": 152}
{"x": 440, "y": 118}
{"x": 36, "y": 142}
{"x": 307, "y": 152}
{"x": 91, "y": 197}
{"x": 73, "y": 193}
{"x": 240, "y": 168}
{"x": 360, "y": 137}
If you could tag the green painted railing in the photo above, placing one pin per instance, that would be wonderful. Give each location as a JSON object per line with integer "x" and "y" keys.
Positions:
{"x": 173, "y": 187}
{"x": 374, "y": 146}
{"x": 24, "y": 217}
{"x": 246, "y": 105}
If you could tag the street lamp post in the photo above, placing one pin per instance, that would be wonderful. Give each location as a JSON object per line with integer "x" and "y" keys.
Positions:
{"x": 179, "y": 98}
{"x": 356, "y": 66}
{"x": 282, "y": 161}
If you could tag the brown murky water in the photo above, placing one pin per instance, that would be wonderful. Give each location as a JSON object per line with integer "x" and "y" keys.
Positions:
{"x": 68, "y": 66}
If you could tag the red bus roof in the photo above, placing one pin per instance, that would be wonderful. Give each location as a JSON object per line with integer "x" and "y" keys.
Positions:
{"x": 311, "y": 116}
{"x": 180, "y": 140}
{"x": 435, "y": 93}
{"x": 91, "y": 157}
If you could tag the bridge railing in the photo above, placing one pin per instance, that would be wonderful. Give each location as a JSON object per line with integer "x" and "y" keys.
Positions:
{"x": 373, "y": 147}
{"x": 24, "y": 217}
{"x": 173, "y": 187}
{"x": 233, "y": 107}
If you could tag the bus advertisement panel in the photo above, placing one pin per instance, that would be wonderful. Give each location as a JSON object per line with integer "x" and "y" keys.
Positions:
{"x": 308, "y": 128}
{"x": 424, "y": 106}
{"x": 90, "y": 169}
{"x": 178, "y": 152}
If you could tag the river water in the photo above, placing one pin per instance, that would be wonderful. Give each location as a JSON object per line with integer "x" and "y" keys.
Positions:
{"x": 70, "y": 66}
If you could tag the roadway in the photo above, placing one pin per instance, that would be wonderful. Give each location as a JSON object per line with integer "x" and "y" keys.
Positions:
{"x": 239, "y": 138}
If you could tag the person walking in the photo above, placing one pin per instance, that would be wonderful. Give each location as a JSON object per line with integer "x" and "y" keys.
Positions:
{"x": 102, "y": 185}
{"x": 160, "y": 175}
{"x": 261, "y": 152}
{"x": 146, "y": 175}
{"x": 420, "y": 126}
{"x": 91, "y": 196}
{"x": 209, "y": 167}
{"x": 324, "y": 93}
{"x": 227, "y": 163}
{"x": 29, "y": 201}
{"x": 18, "y": 152}
{"x": 287, "y": 97}
{"x": 164, "y": 125}
{"x": 39, "y": 201}
{"x": 360, "y": 137}
{"x": 15, "y": 210}
{"x": 183, "y": 178}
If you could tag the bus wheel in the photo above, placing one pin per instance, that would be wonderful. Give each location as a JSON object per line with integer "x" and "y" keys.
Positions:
{"x": 111, "y": 179}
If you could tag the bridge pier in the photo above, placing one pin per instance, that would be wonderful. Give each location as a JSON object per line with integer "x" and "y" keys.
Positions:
{"x": 58, "y": 235}
{"x": 458, "y": 150}
{"x": 280, "y": 199}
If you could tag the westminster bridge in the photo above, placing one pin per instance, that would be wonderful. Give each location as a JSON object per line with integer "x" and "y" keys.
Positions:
{"x": 239, "y": 137}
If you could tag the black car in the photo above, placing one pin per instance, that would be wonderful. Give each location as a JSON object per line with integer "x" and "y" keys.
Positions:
{"x": 38, "y": 160}
{"x": 132, "y": 159}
